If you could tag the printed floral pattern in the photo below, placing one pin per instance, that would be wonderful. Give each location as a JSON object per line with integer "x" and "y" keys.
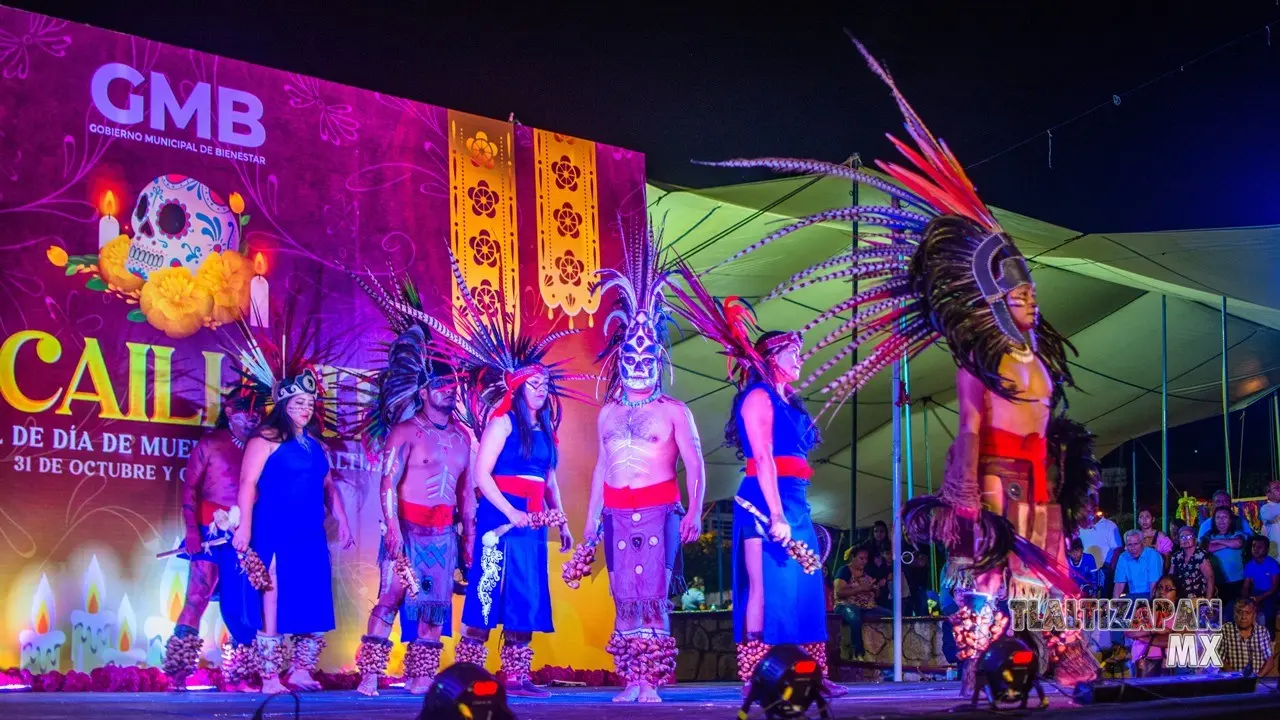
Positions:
{"x": 570, "y": 268}
{"x": 484, "y": 200}
{"x": 566, "y": 173}
{"x": 482, "y": 150}
{"x": 568, "y": 220}
{"x": 336, "y": 123}
{"x": 484, "y": 249}
{"x": 43, "y": 34}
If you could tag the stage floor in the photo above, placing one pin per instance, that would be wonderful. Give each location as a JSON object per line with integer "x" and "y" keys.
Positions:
{"x": 918, "y": 699}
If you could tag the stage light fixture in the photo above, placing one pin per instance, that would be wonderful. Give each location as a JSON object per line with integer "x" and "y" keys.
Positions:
{"x": 1009, "y": 670}
{"x": 465, "y": 691}
{"x": 786, "y": 683}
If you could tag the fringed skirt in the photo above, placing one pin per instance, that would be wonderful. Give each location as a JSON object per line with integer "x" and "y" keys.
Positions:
{"x": 642, "y": 548}
{"x": 433, "y": 555}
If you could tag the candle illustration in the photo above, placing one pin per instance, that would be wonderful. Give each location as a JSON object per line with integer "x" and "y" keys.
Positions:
{"x": 128, "y": 651}
{"x": 92, "y": 629}
{"x": 108, "y": 226}
{"x": 214, "y": 633}
{"x": 41, "y": 646}
{"x": 259, "y": 294}
{"x": 158, "y": 628}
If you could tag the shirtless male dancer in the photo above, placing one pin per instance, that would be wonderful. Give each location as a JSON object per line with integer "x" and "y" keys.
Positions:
{"x": 641, "y": 433}
{"x": 210, "y": 487}
{"x": 424, "y": 481}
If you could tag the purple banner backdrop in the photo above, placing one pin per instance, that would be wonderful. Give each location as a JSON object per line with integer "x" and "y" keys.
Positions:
{"x": 148, "y": 194}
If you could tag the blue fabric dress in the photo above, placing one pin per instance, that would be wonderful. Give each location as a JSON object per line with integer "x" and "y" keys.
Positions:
{"x": 288, "y": 526}
{"x": 795, "y": 606}
{"x": 522, "y": 599}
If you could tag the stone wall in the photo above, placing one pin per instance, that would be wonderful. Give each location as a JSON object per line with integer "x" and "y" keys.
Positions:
{"x": 708, "y": 652}
{"x": 921, "y": 641}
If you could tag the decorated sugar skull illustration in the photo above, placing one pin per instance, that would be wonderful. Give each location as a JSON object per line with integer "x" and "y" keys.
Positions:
{"x": 177, "y": 221}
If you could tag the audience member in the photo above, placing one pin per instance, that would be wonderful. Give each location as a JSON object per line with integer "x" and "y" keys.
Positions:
{"x": 1226, "y": 548}
{"x": 855, "y": 592}
{"x": 1261, "y": 576}
{"x": 1221, "y": 499}
{"x": 1137, "y": 569}
{"x": 1246, "y": 645}
{"x": 1190, "y": 567}
{"x": 1269, "y": 514}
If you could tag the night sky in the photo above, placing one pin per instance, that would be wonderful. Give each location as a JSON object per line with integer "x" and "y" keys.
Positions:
{"x": 1198, "y": 148}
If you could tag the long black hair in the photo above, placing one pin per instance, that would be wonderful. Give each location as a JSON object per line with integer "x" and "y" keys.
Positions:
{"x": 277, "y": 427}
{"x": 732, "y": 439}
{"x": 523, "y": 428}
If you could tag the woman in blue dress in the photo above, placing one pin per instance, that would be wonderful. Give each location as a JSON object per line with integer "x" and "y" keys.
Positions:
{"x": 774, "y": 433}
{"x": 285, "y": 481}
{"x": 515, "y": 469}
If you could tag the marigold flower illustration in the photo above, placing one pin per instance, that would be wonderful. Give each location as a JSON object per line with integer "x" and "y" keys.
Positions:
{"x": 226, "y": 277}
{"x": 174, "y": 302}
{"x": 111, "y": 265}
{"x": 57, "y": 256}
{"x": 236, "y": 201}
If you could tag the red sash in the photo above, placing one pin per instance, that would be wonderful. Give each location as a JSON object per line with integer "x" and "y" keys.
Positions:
{"x": 531, "y": 490}
{"x": 663, "y": 493}
{"x": 430, "y": 516}
{"x": 787, "y": 465}
{"x": 207, "y": 509}
{"x": 995, "y": 442}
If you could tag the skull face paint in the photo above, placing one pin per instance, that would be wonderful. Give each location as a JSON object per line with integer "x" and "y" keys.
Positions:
{"x": 177, "y": 222}
{"x": 639, "y": 358}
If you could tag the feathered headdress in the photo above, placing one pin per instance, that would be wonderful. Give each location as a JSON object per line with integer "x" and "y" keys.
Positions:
{"x": 1071, "y": 451}
{"x": 496, "y": 355}
{"x": 638, "y": 322}
{"x": 411, "y": 361}
{"x": 287, "y": 364}
{"x": 943, "y": 268}
{"x": 729, "y": 323}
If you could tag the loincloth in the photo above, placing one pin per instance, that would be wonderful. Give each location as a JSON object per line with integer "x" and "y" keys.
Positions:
{"x": 1038, "y": 522}
{"x": 642, "y": 544}
{"x": 431, "y": 546}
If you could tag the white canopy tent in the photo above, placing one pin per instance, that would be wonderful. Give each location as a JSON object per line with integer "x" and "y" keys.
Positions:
{"x": 1103, "y": 291}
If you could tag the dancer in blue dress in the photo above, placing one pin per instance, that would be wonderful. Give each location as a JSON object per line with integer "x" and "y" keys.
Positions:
{"x": 775, "y": 601}
{"x": 514, "y": 401}
{"x": 284, "y": 484}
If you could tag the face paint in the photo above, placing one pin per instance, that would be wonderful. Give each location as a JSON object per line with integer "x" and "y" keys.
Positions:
{"x": 639, "y": 359}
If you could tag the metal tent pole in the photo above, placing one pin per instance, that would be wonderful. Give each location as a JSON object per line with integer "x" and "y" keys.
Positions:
{"x": 720, "y": 553}
{"x": 906, "y": 429}
{"x": 854, "y": 161}
{"x": 897, "y": 522}
{"x": 1133, "y": 482}
{"x": 1226, "y": 421}
{"x": 928, "y": 483}
{"x": 1164, "y": 412}
{"x": 1275, "y": 425}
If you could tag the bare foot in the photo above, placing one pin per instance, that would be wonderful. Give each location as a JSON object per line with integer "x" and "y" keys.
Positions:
{"x": 833, "y": 690}
{"x": 368, "y": 685}
{"x": 648, "y": 694}
{"x": 303, "y": 680}
{"x": 628, "y": 694}
{"x": 418, "y": 685}
{"x": 271, "y": 685}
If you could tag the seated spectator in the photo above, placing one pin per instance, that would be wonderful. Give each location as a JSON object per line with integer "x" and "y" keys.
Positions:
{"x": 695, "y": 597}
{"x": 1246, "y": 645}
{"x": 1083, "y": 568}
{"x": 1262, "y": 579}
{"x": 1137, "y": 569}
{"x": 1190, "y": 567}
{"x": 856, "y": 591}
{"x": 1149, "y": 647}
